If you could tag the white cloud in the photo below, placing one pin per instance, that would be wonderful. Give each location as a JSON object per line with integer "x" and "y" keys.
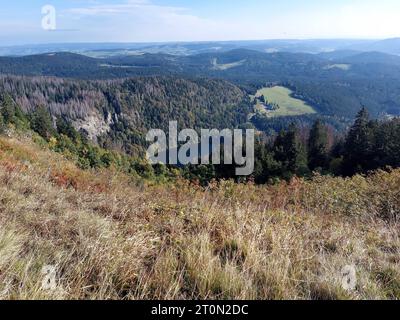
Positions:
{"x": 149, "y": 22}
{"x": 127, "y": 7}
{"x": 143, "y": 20}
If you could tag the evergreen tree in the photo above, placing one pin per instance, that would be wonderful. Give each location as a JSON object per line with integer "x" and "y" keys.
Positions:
{"x": 10, "y": 112}
{"x": 358, "y": 145}
{"x": 64, "y": 127}
{"x": 291, "y": 154}
{"x": 336, "y": 157}
{"x": 386, "y": 147}
{"x": 42, "y": 123}
{"x": 265, "y": 166}
{"x": 7, "y": 109}
{"x": 318, "y": 146}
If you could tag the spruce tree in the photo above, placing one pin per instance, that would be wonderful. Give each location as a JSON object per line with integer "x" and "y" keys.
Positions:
{"x": 290, "y": 152}
{"x": 65, "y": 127}
{"x": 265, "y": 167}
{"x": 12, "y": 113}
{"x": 41, "y": 122}
{"x": 318, "y": 146}
{"x": 7, "y": 109}
{"x": 358, "y": 145}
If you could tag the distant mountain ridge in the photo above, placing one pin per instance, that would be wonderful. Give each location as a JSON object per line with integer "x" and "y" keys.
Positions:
{"x": 72, "y": 65}
{"x": 372, "y": 58}
{"x": 333, "y": 83}
{"x": 105, "y": 50}
{"x": 390, "y": 46}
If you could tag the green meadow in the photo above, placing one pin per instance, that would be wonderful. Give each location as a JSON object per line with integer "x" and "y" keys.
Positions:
{"x": 281, "y": 96}
{"x": 226, "y": 66}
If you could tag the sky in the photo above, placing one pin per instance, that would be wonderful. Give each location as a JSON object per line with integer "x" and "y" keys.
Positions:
{"x": 21, "y": 22}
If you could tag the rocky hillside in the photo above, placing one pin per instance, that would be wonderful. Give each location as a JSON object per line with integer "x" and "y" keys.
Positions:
{"x": 119, "y": 113}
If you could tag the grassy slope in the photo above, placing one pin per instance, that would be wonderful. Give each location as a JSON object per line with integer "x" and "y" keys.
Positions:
{"x": 288, "y": 106}
{"x": 112, "y": 237}
{"x": 226, "y": 66}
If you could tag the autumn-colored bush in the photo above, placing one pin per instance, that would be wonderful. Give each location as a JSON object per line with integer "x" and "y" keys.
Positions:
{"x": 108, "y": 235}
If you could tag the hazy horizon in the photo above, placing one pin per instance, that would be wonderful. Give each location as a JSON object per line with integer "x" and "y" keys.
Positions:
{"x": 189, "y": 42}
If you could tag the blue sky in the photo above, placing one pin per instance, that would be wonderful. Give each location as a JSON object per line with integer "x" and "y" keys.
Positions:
{"x": 197, "y": 20}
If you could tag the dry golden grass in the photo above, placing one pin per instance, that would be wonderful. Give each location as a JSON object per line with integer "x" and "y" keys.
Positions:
{"x": 111, "y": 237}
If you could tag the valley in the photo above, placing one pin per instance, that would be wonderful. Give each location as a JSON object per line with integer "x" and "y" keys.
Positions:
{"x": 278, "y": 101}
{"x": 199, "y": 159}
{"x": 333, "y": 84}
{"x": 77, "y": 189}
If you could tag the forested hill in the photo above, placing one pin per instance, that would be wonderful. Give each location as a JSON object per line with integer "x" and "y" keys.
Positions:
{"x": 334, "y": 84}
{"x": 51, "y": 64}
{"x": 118, "y": 113}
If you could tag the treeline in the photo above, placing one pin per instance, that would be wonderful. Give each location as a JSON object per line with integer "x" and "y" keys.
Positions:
{"x": 274, "y": 125}
{"x": 117, "y": 114}
{"x": 368, "y": 145}
{"x": 59, "y": 135}
{"x": 297, "y": 151}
